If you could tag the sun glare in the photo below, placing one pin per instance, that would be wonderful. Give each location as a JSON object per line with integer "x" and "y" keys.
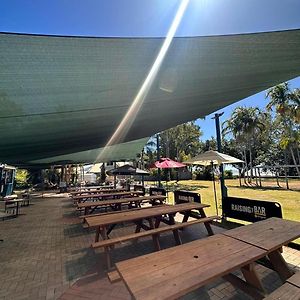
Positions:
{"x": 134, "y": 108}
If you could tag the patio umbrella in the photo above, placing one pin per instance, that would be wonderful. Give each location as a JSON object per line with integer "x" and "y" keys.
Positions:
{"x": 167, "y": 163}
{"x": 128, "y": 170}
{"x": 216, "y": 157}
{"x": 212, "y": 158}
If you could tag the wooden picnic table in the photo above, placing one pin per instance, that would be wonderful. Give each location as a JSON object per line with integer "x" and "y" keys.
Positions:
{"x": 116, "y": 204}
{"x": 102, "y": 196}
{"x": 13, "y": 203}
{"x": 153, "y": 215}
{"x": 270, "y": 235}
{"x": 173, "y": 272}
{"x": 96, "y": 191}
{"x": 95, "y": 187}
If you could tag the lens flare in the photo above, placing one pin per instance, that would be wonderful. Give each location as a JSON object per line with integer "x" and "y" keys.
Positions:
{"x": 134, "y": 108}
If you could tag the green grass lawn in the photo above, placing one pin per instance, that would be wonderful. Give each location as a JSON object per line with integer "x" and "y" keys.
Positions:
{"x": 289, "y": 199}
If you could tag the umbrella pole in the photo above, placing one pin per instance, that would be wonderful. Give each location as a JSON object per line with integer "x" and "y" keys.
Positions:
{"x": 214, "y": 184}
{"x": 115, "y": 176}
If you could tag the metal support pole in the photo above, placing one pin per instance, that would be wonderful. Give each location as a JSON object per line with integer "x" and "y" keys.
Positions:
{"x": 218, "y": 133}
{"x": 215, "y": 192}
{"x": 158, "y": 158}
{"x": 115, "y": 176}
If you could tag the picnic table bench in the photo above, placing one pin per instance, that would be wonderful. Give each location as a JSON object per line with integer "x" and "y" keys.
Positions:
{"x": 116, "y": 204}
{"x": 174, "y": 272}
{"x": 102, "y": 196}
{"x": 154, "y": 216}
{"x": 12, "y": 206}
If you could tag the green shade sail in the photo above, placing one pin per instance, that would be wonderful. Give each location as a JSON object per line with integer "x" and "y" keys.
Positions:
{"x": 120, "y": 152}
{"x": 64, "y": 95}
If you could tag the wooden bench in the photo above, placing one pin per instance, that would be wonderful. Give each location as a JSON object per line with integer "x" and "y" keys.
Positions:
{"x": 108, "y": 243}
{"x": 9, "y": 208}
{"x": 290, "y": 290}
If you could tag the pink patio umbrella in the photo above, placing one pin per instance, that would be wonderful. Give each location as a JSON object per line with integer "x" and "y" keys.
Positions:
{"x": 167, "y": 163}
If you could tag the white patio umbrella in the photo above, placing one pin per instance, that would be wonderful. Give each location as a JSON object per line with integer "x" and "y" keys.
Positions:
{"x": 206, "y": 158}
{"x": 212, "y": 158}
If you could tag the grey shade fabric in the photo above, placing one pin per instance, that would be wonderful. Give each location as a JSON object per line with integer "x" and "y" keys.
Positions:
{"x": 120, "y": 152}
{"x": 61, "y": 95}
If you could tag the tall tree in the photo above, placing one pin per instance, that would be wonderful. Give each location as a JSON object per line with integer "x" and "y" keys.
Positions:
{"x": 244, "y": 124}
{"x": 181, "y": 142}
{"x": 286, "y": 104}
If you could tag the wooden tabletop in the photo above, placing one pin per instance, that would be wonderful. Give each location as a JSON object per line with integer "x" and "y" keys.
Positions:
{"x": 173, "y": 272}
{"x": 96, "y": 187}
{"x": 99, "y": 191}
{"x": 119, "y": 201}
{"x": 269, "y": 234}
{"x": 99, "y": 195}
{"x": 142, "y": 214}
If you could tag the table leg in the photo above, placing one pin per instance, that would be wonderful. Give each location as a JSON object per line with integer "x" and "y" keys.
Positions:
{"x": 206, "y": 224}
{"x": 155, "y": 237}
{"x": 111, "y": 227}
{"x": 104, "y": 236}
{"x": 138, "y": 226}
{"x": 244, "y": 286}
{"x": 157, "y": 221}
{"x": 251, "y": 276}
{"x": 175, "y": 231}
{"x": 186, "y": 216}
{"x": 280, "y": 265}
{"x": 17, "y": 211}
{"x": 97, "y": 234}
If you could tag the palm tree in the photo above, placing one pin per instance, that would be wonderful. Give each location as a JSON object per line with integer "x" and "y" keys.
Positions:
{"x": 244, "y": 124}
{"x": 287, "y": 106}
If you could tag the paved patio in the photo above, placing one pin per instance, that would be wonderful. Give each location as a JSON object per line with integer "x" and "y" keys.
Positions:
{"x": 46, "y": 255}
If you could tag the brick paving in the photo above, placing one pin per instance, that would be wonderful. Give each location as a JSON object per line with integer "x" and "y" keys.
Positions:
{"x": 45, "y": 255}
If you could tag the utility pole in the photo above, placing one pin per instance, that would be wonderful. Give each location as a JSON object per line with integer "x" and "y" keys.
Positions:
{"x": 158, "y": 158}
{"x": 222, "y": 182}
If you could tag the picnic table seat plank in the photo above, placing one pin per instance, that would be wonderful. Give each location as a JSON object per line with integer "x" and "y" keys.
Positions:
{"x": 156, "y": 231}
{"x": 141, "y": 214}
{"x": 173, "y": 272}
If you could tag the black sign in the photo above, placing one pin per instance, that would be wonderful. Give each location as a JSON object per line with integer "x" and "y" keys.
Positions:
{"x": 249, "y": 209}
{"x": 157, "y": 191}
{"x": 140, "y": 188}
{"x": 186, "y": 196}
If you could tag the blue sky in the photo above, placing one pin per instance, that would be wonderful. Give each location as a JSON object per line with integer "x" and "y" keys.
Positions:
{"x": 152, "y": 18}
